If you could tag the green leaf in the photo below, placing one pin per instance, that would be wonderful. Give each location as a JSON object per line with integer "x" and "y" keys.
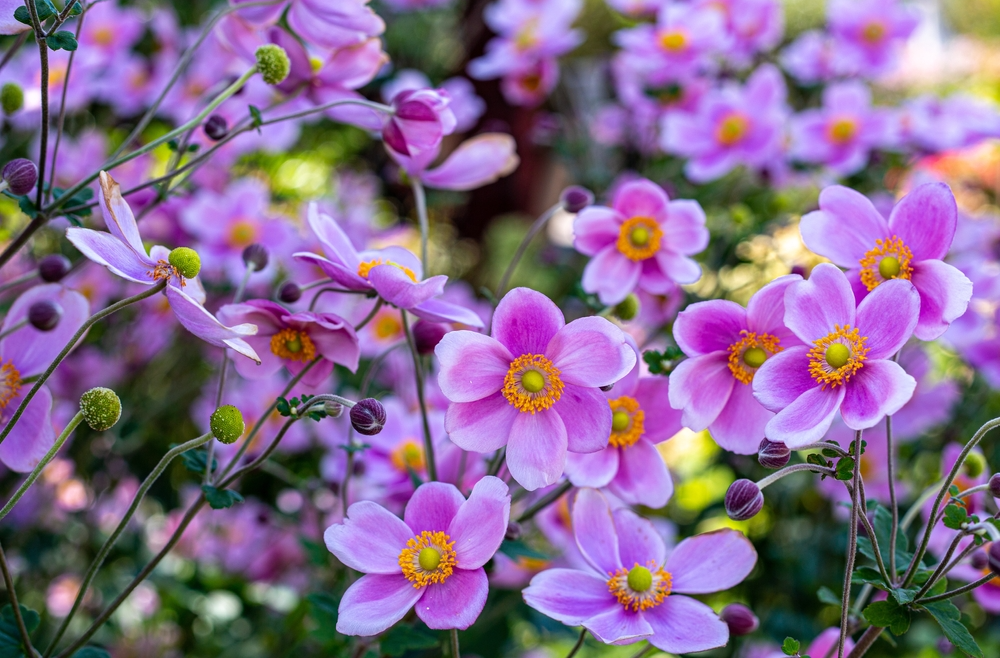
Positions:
{"x": 46, "y": 9}
{"x": 845, "y": 468}
{"x": 790, "y": 646}
{"x": 76, "y": 9}
{"x": 955, "y": 516}
{"x": 904, "y": 596}
{"x": 401, "y": 639}
{"x": 10, "y": 634}
{"x": 830, "y": 453}
{"x": 220, "y": 498}
{"x": 815, "y": 458}
{"x": 21, "y": 15}
{"x": 324, "y": 609}
{"x": 948, "y": 616}
{"x": 27, "y": 206}
{"x": 258, "y": 120}
{"x": 954, "y": 490}
{"x": 883, "y": 529}
{"x": 91, "y": 652}
{"x": 317, "y": 552}
{"x": 889, "y": 614}
{"x": 62, "y": 40}
{"x": 516, "y": 548}
{"x": 869, "y": 576}
{"x": 827, "y": 596}
{"x": 283, "y": 407}
{"x": 355, "y": 447}
{"x": 195, "y": 459}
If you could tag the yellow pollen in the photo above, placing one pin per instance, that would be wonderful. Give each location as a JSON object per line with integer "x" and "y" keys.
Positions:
{"x": 531, "y": 82}
{"x": 387, "y": 325}
{"x": 365, "y": 267}
{"x": 10, "y": 384}
{"x": 890, "y": 259}
{"x": 750, "y": 353}
{"x": 527, "y": 37}
{"x": 165, "y": 270}
{"x": 850, "y": 355}
{"x": 636, "y": 591}
{"x": 673, "y": 42}
{"x": 532, "y": 383}
{"x": 315, "y": 64}
{"x": 842, "y": 131}
{"x": 873, "y": 33}
{"x": 408, "y": 456}
{"x": 639, "y": 238}
{"x": 627, "y": 422}
{"x": 428, "y": 558}
{"x": 293, "y": 345}
{"x": 104, "y": 36}
{"x": 732, "y": 129}
{"x": 242, "y": 233}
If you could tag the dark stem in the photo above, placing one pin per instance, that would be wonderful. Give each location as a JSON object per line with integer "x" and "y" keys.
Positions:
{"x": 892, "y": 498}
{"x": 852, "y": 544}
{"x": 454, "y": 644}
{"x": 545, "y": 501}
{"x": 9, "y": 582}
{"x": 62, "y": 105}
{"x": 960, "y": 590}
{"x": 942, "y": 565}
{"x": 43, "y": 53}
{"x": 579, "y": 643}
{"x": 21, "y": 38}
{"x": 419, "y": 376}
{"x": 866, "y": 641}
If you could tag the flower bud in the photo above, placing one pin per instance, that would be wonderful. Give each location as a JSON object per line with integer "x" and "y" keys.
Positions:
{"x": 227, "y": 424}
{"x": 44, "y": 315}
{"x": 740, "y": 619}
{"x": 215, "y": 127}
{"x": 11, "y": 98}
{"x": 20, "y": 176}
{"x": 608, "y": 387}
{"x": 773, "y": 455}
{"x": 743, "y": 500}
{"x": 186, "y": 260}
{"x": 975, "y": 464}
{"x": 101, "y": 408}
{"x": 513, "y": 531}
{"x": 273, "y": 63}
{"x": 53, "y": 268}
{"x": 256, "y": 255}
{"x": 289, "y": 292}
{"x": 995, "y": 485}
{"x": 994, "y": 557}
{"x": 979, "y": 559}
{"x": 628, "y": 308}
{"x": 333, "y": 409}
{"x": 575, "y": 198}
{"x": 368, "y": 417}
{"x": 427, "y": 335}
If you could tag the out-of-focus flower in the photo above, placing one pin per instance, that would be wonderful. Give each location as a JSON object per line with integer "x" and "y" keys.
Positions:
{"x": 477, "y": 161}
{"x": 685, "y": 36}
{"x": 465, "y": 104}
{"x": 812, "y": 57}
{"x": 420, "y": 119}
{"x": 752, "y": 25}
{"x": 934, "y": 124}
{"x": 870, "y": 31}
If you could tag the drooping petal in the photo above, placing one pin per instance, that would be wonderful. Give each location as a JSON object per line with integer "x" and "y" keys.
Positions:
{"x": 340, "y": 274}
{"x": 594, "y": 529}
{"x": 944, "y": 297}
{"x": 846, "y": 226}
{"x": 30, "y": 349}
{"x": 643, "y": 478}
{"x": 196, "y": 319}
{"x": 455, "y": 603}
{"x": 395, "y": 286}
{"x": 432, "y": 507}
{"x": 610, "y": 275}
{"x": 374, "y": 603}
{"x": 879, "y": 388}
{"x": 700, "y": 387}
{"x": 370, "y": 539}
{"x": 619, "y": 626}
{"x": 481, "y": 426}
{"x": 32, "y": 436}
{"x": 587, "y": 417}
{"x": 739, "y": 427}
{"x": 711, "y": 326}
{"x": 481, "y": 522}
{"x": 783, "y": 378}
{"x": 807, "y": 419}
{"x": 925, "y": 220}
{"x": 638, "y": 540}
{"x": 477, "y": 161}
{"x": 525, "y": 321}
{"x": 595, "y": 469}
{"x": 888, "y": 316}
{"x": 270, "y": 362}
{"x": 711, "y": 562}
{"x": 473, "y": 366}
{"x": 118, "y": 216}
{"x": 536, "y": 449}
{"x": 107, "y": 250}
{"x": 569, "y": 596}
{"x": 591, "y": 352}
{"x": 814, "y": 306}
{"x": 682, "y": 625}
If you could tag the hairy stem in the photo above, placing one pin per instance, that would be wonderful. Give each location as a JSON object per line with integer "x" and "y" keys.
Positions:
{"x": 894, "y": 508}
{"x": 419, "y": 380}
{"x": 15, "y": 606}
{"x": 959, "y": 590}
{"x": 454, "y": 644}
{"x": 866, "y": 641}
{"x": 421, "y": 201}
{"x": 852, "y": 544}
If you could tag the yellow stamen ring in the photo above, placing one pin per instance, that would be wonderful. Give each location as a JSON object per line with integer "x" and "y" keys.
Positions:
{"x": 408, "y": 456}
{"x": 627, "y": 422}
{"x": 532, "y": 383}
{"x": 750, "y": 353}
{"x": 635, "y": 591}
{"x": 293, "y": 345}
{"x": 890, "y": 259}
{"x": 639, "y": 238}
{"x": 10, "y": 384}
{"x": 428, "y": 558}
{"x": 836, "y": 357}
{"x": 365, "y": 267}
{"x": 165, "y": 270}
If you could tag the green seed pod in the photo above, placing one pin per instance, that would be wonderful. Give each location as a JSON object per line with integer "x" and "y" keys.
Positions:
{"x": 975, "y": 464}
{"x": 187, "y": 261}
{"x": 273, "y": 63}
{"x": 11, "y": 98}
{"x": 101, "y": 408}
{"x": 628, "y": 308}
{"x": 227, "y": 424}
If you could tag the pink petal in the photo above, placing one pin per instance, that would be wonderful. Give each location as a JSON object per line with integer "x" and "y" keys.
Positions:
{"x": 432, "y": 507}
{"x": 887, "y": 317}
{"x": 678, "y": 268}
{"x": 118, "y": 216}
{"x": 595, "y": 469}
{"x": 846, "y": 226}
{"x": 33, "y": 350}
{"x": 481, "y": 426}
{"x": 944, "y": 297}
{"x": 476, "y": 162}
{"x": 814, "y": 306}
{"x": 340, "y": 274}
{"x": 643, "y": 478}
{"x": 590, "y": 352}
{"x": 683, "y": 625}
{"x": 783, "y": 378}
{"x": 739, "y": 427}
{"x": 807, "y": 419}
{"x": 32, "y": 436}
{"x": 619, "y": 626}
{"x": 594, "y": 529}
{"x": 370, "y": 539}
{"x": 766, "y": 310}
{"x": 570, "y": 596}
{"x": 395, "y": 286}
{"x": 641, "y": 198}
{"x": 196, "y": 319}
{"x": 881, "y": 387}
{"x": 525, "y": 321}
{"x": 925, "y": 220}
{"x": 107, "y": 250}
{"x": 684, "y": 229}
{"x": 595, "y": 228}
{"x": 638, "y": 540}
{"x": 660, "y": 420}
{"x": 473, "y": 366}
{"x": 536, "y": 449}
{"x": 374, "y": 603}
{"x": 438, "y": 310}
{"x": 270, "y": 363}
{"x": 335, "y": 242}
{"x": 711, "y": 562}
{"x": 455, "y": 603}
{"x": 611, "y": 275}
{"x": 481, "y": 522}
{"x": 700, "y": 387}
{"x": 711, "y": 326}
{"x": 587, "y": 417}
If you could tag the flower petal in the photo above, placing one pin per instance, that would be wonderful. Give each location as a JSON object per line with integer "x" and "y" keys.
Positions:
{"x": 610, "y": 275}
{"x": 739, "y": 427}
{"x": 766, "y": 310}
{"x": 641, "y": 198}
{"x": 638, "y": 540}
{"x": 814, "y": 306}
{"x": 594, "y": 469}
{"x": 844, "y": 228}
{"x": 473, "y": 366}
{"x": 944, "y": 297}
{"x": 594, "y": 529}
{"x": 525, "y": 321}
{"x": 432, "y": 507}
{"x": 587, "y": 417}
{"x": 481, "y": 426}
{"x": 33, "y": 350}
{"x": 783, "y": 378}
{"x": 619, "y": 626}
{"x": 395, "y": 286}
{"x": 477, "y": 161}
{"x": 807, "y": 419}
{"x": 683, "y": 625}
{"x": 536, "y": 449}
{"x": 118, "y": 216}
{"x": 480, "y": 524}
{"x": 455, "y": 603}
{"x": 661, "y": 421}
{"x": 677, "y": 267}
{"x": 887, "y": 317}
{"x": 370, "y": 539}
{"x": 684, "y": 229}
{"x": 925, "y": 220}
{"x": 107, "y": 250}
{"x": 438, "y": 310}
{"x": 196, "y": 319}
{"x": 881, "y": 387}
{"x": 33, "y": 434}
{"x": 374, "y": 603}
{"x": 643, "y": 478}
{"x": 590, "y": 352}
{"x": 712, "y": 326}
{"x": 569, "y": 596}
{"x": 595, "y": 228}
{"x": 700, "y": 387}
{"x": 711, "y": 562}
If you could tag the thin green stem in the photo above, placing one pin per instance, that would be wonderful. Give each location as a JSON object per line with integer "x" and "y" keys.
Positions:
{"x": 16, "y": 281}
{"x": 893, "y": 506}
{"x": 419, "y": 377}
{"x": 959, "y": 590}
{"x": 794, "y": 468}
{"x": 578, "y": 645}
{"x": 852, "y": 544}
{"x": 535, "y": 229}
{"x": 454, "y": 644}
{"x": 12, "y": 329}
{"x": 15, "y": 606}
{"x": 545, "y": 501}
{"x": 30, "y": 480}
{"x": 421, "y": 202}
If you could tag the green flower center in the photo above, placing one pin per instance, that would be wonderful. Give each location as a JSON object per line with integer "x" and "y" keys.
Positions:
{"x": 429, "y": 559}
{"x": 889, "y": 267}
{"x": 294, "y": 345}
{"x": 837, "y": 355}
{"x": 640, "y": 579}
{"x": 639, "y": 236}
{"x": 754, "y": 357}
{"x": 620, "y": 421}
{"x": 532, "y": 381}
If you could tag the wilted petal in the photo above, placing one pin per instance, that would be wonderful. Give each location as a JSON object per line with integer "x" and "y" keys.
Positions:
{"x": 107, "y": 250}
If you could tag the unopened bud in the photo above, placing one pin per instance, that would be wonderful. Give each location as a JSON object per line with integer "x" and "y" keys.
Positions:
{"x": 979, "y": 559}
{"x": 333, "y": 409}
{"x": 743, "y": 500}
{"x": 44, "y": 315}
{"x": 273, "y": 63}
{"x": 216, "y": 127}
{"x": 53, "y": 268}
{"x": 368, "y": 416}
{"x": 186, "y": 260}
{"x": 289, "y": 292}
{"x": 994, "y": 557}
{"x": 740, "y": 619}
{"x": 20, "y": 176}
{"x": 256, "y": 255}
{"x": 227, "y": 424}
{"x": 975, "y": 464}
{"x": 773, "y": 455}
{"x": 628, "y": 308}
{"x": 995, "y": 485}
{"x": 11, "y": 98}
{"x": 608, "y": 387}
{"x": 427, "y": 335}
{"x": 513, "y": 531}
{"x": 575, "y": 198}
{"x": 101, "y": 408}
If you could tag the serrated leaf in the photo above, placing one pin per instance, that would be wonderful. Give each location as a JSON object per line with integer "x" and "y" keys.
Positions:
{"x": 830, "y": 453}
{"x": 845, "y": 468}
{"x": 10, "y": 634}
{"x": 283, "y": 407}
{"x": 401, "y": 639}
{"x": 515, "y": 548}
{"x": 62, "y": 40}
{"x": 91, "y": 652}
{"x": 904, "y": 596}
{"x": 888, "y": 614}
{"x": 220, "y": 498}
{"x": 955, "y": 516}
{"x": 949, "y": 618}
{"x": 27, "y": 206}
{"x": 790, "y": 646}
{"x": 827, "y": 596}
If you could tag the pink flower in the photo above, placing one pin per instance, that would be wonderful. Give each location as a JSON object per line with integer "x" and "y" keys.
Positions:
{"x": 871, "y": 31}
{"x": 848, "y": 230}
{"x": 643, "y": 241}
{"x": 642, "y": 599}
{"x": 432, "y": 559}
{"x": 420, "y": 119}
{"x": 845, "y": 364}
{"x": 532, "y": 385}
{"x": 684, "y": 36}
{"x": 727, "y": 346}
{"x": 477, "y": 161}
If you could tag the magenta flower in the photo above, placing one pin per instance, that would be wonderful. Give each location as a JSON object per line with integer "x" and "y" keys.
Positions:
{"x": 420, "y": 119}
{"x": 334, "y": 24}
{"x": 432, "y": 559}
{"x": 394, "y": 273}
{"x": 293, "y": 340}
{"x": 752, "y": 25}
{"x": 630, "y": 467}
{"x": 632, "y": 590}
{"x": 684, "y": 36}
{"x": 122, "y": 252}
{"x": 845, "y": 364}
{"x": 532, "y": 385}
{"x": 727, "y": 345}
{"x": 848, "y": 230}
{"x": 27, "y": 352}
{"x": 871, "y": 31}
{"x": 643, "y": 241}
{"x": 477, "y": 161}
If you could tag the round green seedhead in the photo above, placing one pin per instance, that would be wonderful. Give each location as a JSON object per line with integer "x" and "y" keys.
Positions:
{"x": 11, "y": 98}
{"x": 101, "y": 408}
{"x": 273, "y": 63}
{"x": 628, "y": 308}
{"x": 227, "y": 424}
{"x": 187, "y": 261}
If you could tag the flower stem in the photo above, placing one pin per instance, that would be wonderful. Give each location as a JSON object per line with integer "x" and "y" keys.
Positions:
{"x": 421, "y": 201}
{"x": 959, "y": 590}
{"x": 368, "y": 318}
{"x": 794, "y": 468}
{"x": 890, "y": 451}
{"x": 579, "y": 643}
{"x": 852, "y": 544}
{"x": 43, "y": 53}
{"x": 419, "y": 377}
{"x": 91, "y": 321}
{"x": 454, "y": 644}
{"x": 61, "y": 121}
{"x": 15, "y": 606}
{"x": 545, "y": 501}
{"x": 22, "y": 323}
{"x": 535, "y": 229}
{"x": 24, "y": 278}
{"x": 866, "y": 641}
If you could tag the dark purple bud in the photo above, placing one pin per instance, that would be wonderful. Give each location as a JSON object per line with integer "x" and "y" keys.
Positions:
{"x": 513, "y": 531}
{"x": 773, "y": 455}
{"x": 994, "y": 557}
{"x": 995, "y": 485}
{"x": 216, "y": 127}
{"x": 979, "y": 560}
{"x": 368, "y": 416}
{"x": 53, "y": 268}
{"x": 20, "y": 176}
{"x": 743, "y": 500}
{"x": 740, "y": 619}
{"x": 607, "y": 388}
{"x": 44, "y": 315}
{"x": 256, "y": 255}
{"x": 427, "y": 335}
{"x": 575, "y": 198}
{"x": 289, "y": 292}
{"x": 798, "y": 269}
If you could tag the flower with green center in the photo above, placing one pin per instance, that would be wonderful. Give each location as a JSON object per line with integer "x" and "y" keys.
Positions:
{"x": 639, "y": 578}
{"x": 186, "y": 261}
{"x": 754, "y": 357}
